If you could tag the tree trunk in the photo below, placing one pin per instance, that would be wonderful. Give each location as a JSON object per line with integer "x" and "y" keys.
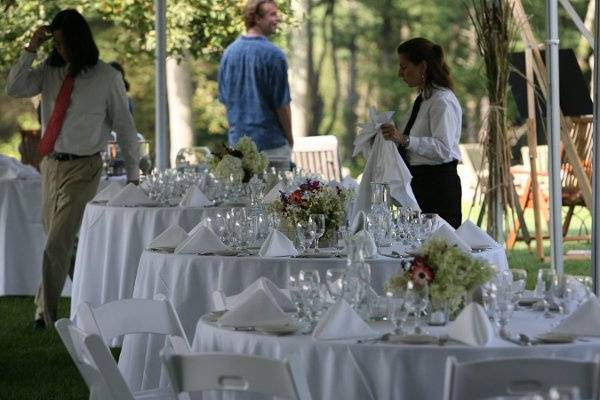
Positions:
{"x": 314, "y": 102}
{"x": 179, "y": 94}
{"x": 298, "y": 68}
{"x": 351, "y": 99}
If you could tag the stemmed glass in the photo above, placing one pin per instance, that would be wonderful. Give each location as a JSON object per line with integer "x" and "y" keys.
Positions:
{"x": 306, "y": 234}
{"x": 310, "y": 288}
{"x": 340, "y": 238}
{"x": 505, "y": 307}
{"x": 334, "y": 278}
{"x": 518, "y": 284}
{"x": 416, "y": 301}
{"x": 319, "y": 223}
{"x": 550, "y": 281}
{"x": 397, "y": 311}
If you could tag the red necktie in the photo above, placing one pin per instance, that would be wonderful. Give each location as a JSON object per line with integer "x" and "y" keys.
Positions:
{"x": 58, "y": 115}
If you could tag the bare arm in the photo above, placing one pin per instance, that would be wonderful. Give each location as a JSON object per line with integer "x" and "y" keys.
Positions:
{"x": 284, "y": 114}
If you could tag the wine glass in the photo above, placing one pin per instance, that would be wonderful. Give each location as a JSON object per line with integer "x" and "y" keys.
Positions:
{"x": 397, "y": 311}
{"x": 305, "y": 232}
{"x": 340, "y": 239}
{"x": 519, "y": 277}
{"x": 417, "y": 299}
{"x": 319, "y": 223}
{"x": 550, "y": 281}
{"x": 334, "y": 278}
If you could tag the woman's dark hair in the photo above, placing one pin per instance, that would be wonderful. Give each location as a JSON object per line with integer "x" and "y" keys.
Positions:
{"x": 78, "y": 42}
{"x": 421, "y": 49}
{"x": 120, "y": 68}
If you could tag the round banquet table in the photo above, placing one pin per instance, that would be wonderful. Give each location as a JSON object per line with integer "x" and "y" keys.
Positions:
{"x": 111, "y": 240}
{"x": 22, "y": 237}
{"x": 188, "y": 281}
{"x": 345, "y": 369}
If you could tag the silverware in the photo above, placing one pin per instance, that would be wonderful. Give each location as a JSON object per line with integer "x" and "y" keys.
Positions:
{"x": 383, "y": 338}
{"x": 525, "y": 340}
{"x": 513, "y": 340}
{"x": 443, "y": 339}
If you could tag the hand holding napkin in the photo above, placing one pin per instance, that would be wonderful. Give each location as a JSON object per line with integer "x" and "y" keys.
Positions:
{"x": 585, "y": 321}
{"x": 384, "y": 164}
{"x": 273, "y": 194}
{"x": 274, "y": 293}
{"x": 369, "y": 246}
{"x": 203, "y": 241}
{"x": 107, "y": 194}
{"x": 474, "y": 236}
{"x": 277, "y": 245}
{"x": 342, "y": 322}
{"x": 170, "y": 238}
{"x": 472, "y": 326}
{"x": 131, "y": 196}
{"x": 449, "y": 234}
{"x": 194, "y": 197}
{"x": 256, "y": 310}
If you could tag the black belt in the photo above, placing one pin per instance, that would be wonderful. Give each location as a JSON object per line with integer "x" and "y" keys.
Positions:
{"x": 68, "y": 157}
{"x": 429, "y": 169}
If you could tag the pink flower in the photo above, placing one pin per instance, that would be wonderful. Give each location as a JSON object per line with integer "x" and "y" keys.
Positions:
{"x": 421, "y": 273}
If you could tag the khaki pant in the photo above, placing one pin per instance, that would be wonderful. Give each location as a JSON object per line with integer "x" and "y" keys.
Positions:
{"x": 66, "y": 188}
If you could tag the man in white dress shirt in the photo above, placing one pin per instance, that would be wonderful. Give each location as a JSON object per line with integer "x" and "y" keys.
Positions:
{"x": 83, "y": 99}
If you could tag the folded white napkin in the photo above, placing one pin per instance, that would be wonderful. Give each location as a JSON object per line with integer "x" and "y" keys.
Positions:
{"x": 266, "y": 285}
{"x": 349, "y": 182}
{"x": 170, "y": 238}
{"x": 384, "y": 164}
{"x": 342, "y": 322}
{"x": 449, "y": 234}
{"x": 273, "y": 194}
{"x": 206, "y": 222}
{"x": 585, "y": 321}
{"x": 108, "y": 192}
{"x": 11, "y": 168}
{"x": 257, "y": 309}
{"x": 203, "y": 241}
{"x": 131, "y": 196}
{"x": 194, "y": 197}
{"x": 369, "y": 246}
{"x": 472, "y": 326}
{"x": 359, "y": 223}
{"x": 277, "y": 245}
{"x": 474, "y": 236}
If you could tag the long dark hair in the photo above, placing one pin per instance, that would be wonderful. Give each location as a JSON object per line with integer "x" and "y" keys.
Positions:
{"x": 421, "y": 49}
{"x": 78, "y": 41}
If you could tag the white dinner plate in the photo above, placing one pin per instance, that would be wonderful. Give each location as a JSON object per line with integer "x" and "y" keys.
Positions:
{"x": 277, "y": 329}
{"x": 555, "y": 338}
{"x": 413, "y": 339}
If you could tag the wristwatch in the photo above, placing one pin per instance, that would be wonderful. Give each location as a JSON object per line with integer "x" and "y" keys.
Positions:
{"x": 406, "y": 141}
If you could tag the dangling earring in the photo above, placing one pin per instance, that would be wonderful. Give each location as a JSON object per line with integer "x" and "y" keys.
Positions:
{"x": 422, "y": 78}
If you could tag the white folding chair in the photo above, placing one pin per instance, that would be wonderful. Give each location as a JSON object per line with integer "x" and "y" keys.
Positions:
{"x": 128, "y": 316}
{"x": 517, "y": 376}
{"x": 233, "y": 372}
{"x": 98, "y": 368}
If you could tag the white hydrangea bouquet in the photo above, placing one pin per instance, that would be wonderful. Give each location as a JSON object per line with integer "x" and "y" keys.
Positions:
{"x": 450, "y": 273}
{"x": 242, "y": 161}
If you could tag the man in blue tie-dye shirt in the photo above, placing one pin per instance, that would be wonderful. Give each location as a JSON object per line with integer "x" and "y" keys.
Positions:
{"x": 253, "y": 84}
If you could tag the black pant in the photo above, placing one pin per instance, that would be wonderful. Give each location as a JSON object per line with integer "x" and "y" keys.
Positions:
{"x": 437, "y": 190}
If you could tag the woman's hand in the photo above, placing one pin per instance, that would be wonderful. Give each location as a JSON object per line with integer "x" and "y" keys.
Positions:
{"x": 390, "y": 132}
{"x": 40, "y": 35}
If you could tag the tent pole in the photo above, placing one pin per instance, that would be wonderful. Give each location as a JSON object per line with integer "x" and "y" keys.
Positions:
{"x": 596, "y": 160}
{"x": 160, "y": 89}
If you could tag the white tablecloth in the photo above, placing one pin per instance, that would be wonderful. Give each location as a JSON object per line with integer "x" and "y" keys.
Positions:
{"x": 22, "y": 236}
{"x": 348, "y": 370}
{"x": 111, "y": 241}
{"x": 188, "y": 281}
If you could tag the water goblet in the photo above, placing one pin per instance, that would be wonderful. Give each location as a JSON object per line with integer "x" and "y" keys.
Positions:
{"x": 397, "y": 312}
{"x": 417, "y": 297}
{"x": 550, "y": 281}
{"x": 339, "y": 239}
{"x": 319, "y": 223}
{"x": 306, "y": 234}
{"x": 334, "y": 278}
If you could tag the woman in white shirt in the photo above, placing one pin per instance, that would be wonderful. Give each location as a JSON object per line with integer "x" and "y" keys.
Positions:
{"x": 429, "y": 140}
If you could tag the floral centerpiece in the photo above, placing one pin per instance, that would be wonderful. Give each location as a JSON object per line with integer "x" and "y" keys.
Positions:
{"x": 450, "y": 273}
{"x": 242, "y": 161}
{"x": 313, "y": 197}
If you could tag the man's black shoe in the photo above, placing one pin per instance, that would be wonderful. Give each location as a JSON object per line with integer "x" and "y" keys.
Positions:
{"x": 39, "y": 324}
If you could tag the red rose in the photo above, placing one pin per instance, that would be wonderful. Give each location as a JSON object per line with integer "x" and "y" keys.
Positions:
{"x": 296, "y": 197}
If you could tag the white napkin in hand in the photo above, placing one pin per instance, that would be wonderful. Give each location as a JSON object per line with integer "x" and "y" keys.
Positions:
{"x": 203, "y": 241}
{"x": 369, "y": 246}
{"x": 472, "y": 326}
{"x": 131, "y": 195}
{"x": 265, "y": 284}
{"x": 108, "y": 192}
{"x": 359, "y": 223}
{"x": 277, "y": 245}
{"x": 585, "y": 321}
{"x": 170, "y": 238}
{"x": 474, "y": 236}
{"x": 449, "y": 234}
{"x": 342, "y": 322}
{"x": 194, "y": 197}
{"x": 257, "y": 309}
{"x": 273, "y": 194}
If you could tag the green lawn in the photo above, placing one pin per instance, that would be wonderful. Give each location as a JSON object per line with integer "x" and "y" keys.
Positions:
{"x": 35, "y": 365}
